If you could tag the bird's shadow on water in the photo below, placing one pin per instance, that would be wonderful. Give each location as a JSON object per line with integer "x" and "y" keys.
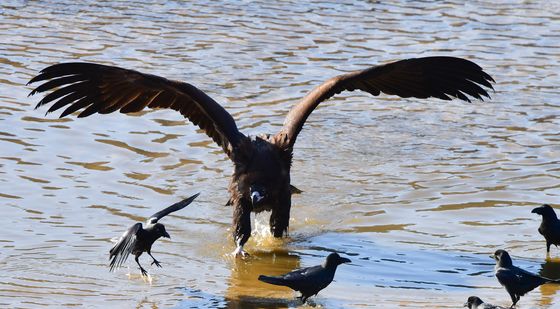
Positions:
{"x": 245, "y": 290}
{"x": 549, "y": 269}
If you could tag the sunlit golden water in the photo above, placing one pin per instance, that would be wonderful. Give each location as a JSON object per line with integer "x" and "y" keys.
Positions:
{"x": 416, "y": 192}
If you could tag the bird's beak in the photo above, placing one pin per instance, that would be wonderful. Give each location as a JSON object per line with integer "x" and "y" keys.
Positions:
{"x": 492, "y": 256}
{"x": 256, "y": 197}
{"x": 535, "y": 210}
{"x": 466, "y": 305}
{"x": 166, "y": 235}
{"x": 344, "y": 260}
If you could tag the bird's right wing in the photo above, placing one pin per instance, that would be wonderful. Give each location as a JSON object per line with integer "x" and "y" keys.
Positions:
{"x": 177, "y": 206}
{"x": 120, "y": 251}
{"x": 104, "y": 89}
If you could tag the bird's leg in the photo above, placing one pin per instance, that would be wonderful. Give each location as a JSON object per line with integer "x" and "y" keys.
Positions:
{"x": 144, "y": 272}
{"x": 280, "y": 218}
{"x": 548, "y": 246}
{"x": 241, "y": 227}
{"x": 155, "y": 261}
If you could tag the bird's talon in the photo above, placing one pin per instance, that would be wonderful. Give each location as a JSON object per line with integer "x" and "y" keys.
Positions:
{"x": 157, "y": 263}
{"x": 240, "y": 253}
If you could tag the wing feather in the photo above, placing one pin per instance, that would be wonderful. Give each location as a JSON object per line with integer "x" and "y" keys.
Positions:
{"x": 123, "y": 248}
{"x": 177, "y": 206}
{"x": 104, "y": 89}
{"x": 439, "y": 77}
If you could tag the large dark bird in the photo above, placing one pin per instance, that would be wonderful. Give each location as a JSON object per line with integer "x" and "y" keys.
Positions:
{"x": 550, "y": 225}
{"x": 474, "y": 302}
{"x": 261, "y": 176}
{"x": 309, "y": 281}
{"x": 516, "y": 280}
{"x": 137, "y": 240}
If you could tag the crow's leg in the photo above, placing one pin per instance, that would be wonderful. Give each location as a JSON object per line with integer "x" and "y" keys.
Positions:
{"x": 548, "y": 246}
{"x": 155, "y": 261}
{"x": 144, "y": 272}
{"x": 241, "y": 226}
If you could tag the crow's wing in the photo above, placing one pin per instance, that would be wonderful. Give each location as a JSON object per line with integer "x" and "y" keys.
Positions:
{"x": 120, "y": 251}
{"x": 518, "y": 280}
{"x": 177, "y": 206}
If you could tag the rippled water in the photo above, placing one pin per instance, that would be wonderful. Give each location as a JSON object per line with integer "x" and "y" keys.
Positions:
{"x": 416, "y": 192}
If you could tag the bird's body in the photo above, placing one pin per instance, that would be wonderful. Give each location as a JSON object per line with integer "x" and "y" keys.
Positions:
{"x": 137, "y": 239}
{"x": 261, "y": 176}
{"x": 474, "y": 302}
{"x": 515, "y": 280}
{"x": 309, "y": 281}
{"x": 550, "y": 225}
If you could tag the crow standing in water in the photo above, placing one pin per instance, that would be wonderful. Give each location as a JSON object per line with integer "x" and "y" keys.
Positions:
{"x": 474, "y": 302}
{"x": 261, "y": 176}
{"x": 516, "y": 280}
{"x": 137, "y": 240}
{"x": 309, "y": 281}
{"x": 550, "y": 225}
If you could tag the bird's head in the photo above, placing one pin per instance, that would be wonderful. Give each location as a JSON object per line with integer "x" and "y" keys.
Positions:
{"x": 333, "y": 260}
{"x": 473, "y": 302}
{"x": 502, "y": 258}
{"x": 160, "y": 230}
{"x": 544, "y": 210}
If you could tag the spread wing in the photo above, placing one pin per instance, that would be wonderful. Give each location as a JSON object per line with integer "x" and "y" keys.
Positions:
{"x": 439, "y": 77}
{"x": 104, "y": 89}
{"x": 120, "y": 251}
{"x": 177, "y": 206}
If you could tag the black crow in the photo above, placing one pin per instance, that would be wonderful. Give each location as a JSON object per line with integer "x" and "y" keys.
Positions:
{"x": 261, "y": 176}
{"x": 309, "y": 281}
{"x": 550, "y": 225}
{"x": 137, "y": 240}
{"x": 516, "y": 280}
{"x": 474, "y": 302}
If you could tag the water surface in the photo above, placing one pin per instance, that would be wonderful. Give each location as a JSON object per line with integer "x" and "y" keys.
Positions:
{"x": 417, "y": 193}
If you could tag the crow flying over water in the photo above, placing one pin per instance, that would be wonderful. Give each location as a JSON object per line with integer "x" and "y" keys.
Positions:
{"x": 474, "y": 302}
{"x": 516, "y": 280}
{"x": 261, "y": 176}
{"x": 137, "y": 240}
{"x": 550, "y": 225}
{"x": 309, "y": 281}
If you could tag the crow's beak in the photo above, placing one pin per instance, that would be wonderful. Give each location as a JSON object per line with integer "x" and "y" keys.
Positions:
{"x": 466, "y": 305}
{"x": 166, "y": 235}
{"x": 344, "y": 260}
{"x": 535, "y": 210}
{"x": 492, "y": 256}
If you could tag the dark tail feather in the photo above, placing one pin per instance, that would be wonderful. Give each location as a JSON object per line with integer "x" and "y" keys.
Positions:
{"x": 555, "y": 281}
{"x": 272, "y": 280}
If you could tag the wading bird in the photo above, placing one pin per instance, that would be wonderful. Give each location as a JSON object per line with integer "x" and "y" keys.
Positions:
{"x": 137, "y": 240}
{"x": 550, "y": 225}
{"x": 517, "y": 281}
{"x": 261, "y": 176}
{"x": 309, "y": 281}
{"x": 473, "y": 302}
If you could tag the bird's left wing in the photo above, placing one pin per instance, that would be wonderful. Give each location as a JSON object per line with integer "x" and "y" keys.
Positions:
{"x": 439, "y": 77}
{"x": 177, "y": 206}
{"x": 120, "y": 251}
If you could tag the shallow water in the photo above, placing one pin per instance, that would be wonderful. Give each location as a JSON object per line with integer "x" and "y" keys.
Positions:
{"x": 417, "y": 193}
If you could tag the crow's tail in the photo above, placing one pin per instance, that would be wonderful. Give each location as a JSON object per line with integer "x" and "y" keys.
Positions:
{"x": 272, "y": 280}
